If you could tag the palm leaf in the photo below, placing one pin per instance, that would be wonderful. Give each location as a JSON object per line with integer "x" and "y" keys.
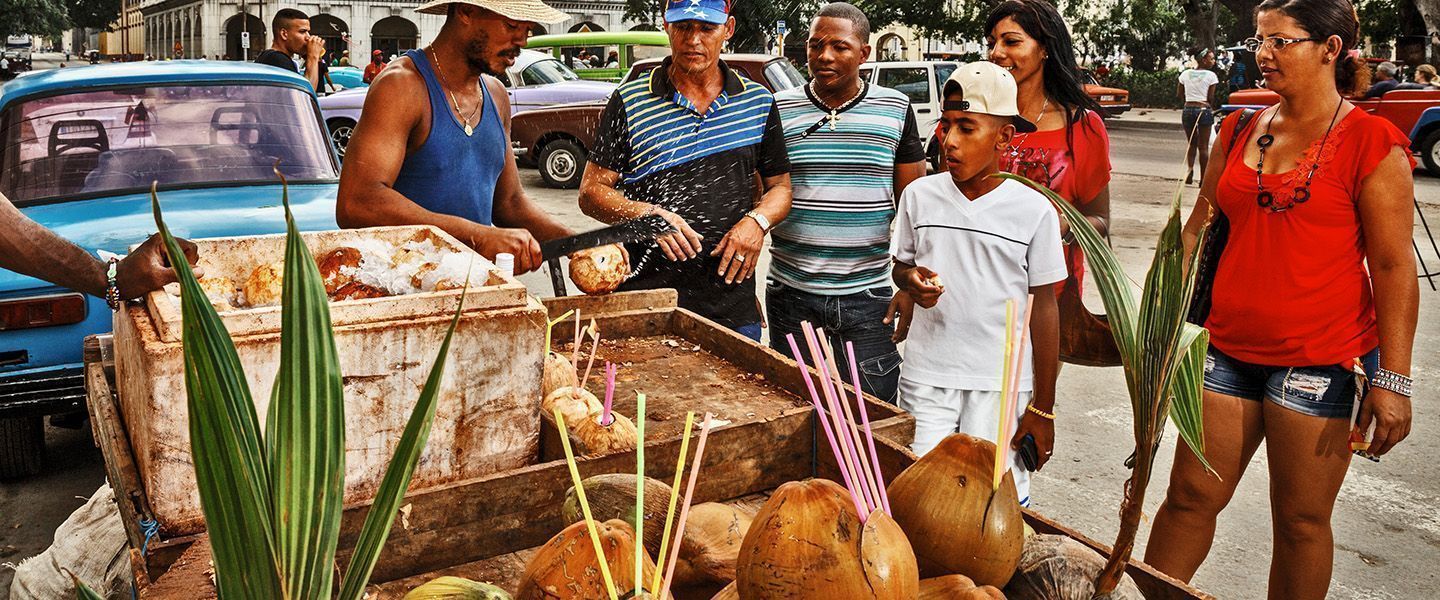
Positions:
{"x": 1185, "y": 390}
{"x": 305, "y": 427}
{"x": 397, "y": 475}
{"x": 1163, "y": 306}
{"x": 82, "y": 591}
{"x": 230, "y": 469}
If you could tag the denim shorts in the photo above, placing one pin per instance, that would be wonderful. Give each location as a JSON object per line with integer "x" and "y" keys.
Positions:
{"x": 1196, "y": 115}
{"x": 1321, "y": 391}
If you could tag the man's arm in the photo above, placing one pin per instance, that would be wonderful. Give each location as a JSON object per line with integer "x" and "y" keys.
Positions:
{"x": 745, "y": 238}
{"x": 367, "y": 196}
{"x": 512, "y": 207}
{"x": 1045, "y": 341}
{"x": 909, "y": 156}
{"x": 313, "y": 51}
{"x": 30, "y": 249}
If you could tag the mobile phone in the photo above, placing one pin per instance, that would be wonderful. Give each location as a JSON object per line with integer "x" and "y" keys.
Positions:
{"x": 1029, "y": 454}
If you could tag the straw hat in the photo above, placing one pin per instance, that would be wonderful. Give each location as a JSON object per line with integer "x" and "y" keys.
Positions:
{"x": 532, "y": 11}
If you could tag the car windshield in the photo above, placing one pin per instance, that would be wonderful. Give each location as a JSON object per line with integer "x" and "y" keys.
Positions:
{"x": 105, "y": 142}
{"x": 547, "y": 71}
{"x": 783, "y": 75}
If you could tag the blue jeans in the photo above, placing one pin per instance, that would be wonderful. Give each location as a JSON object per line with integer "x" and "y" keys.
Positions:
{"x": 857, "y": 318}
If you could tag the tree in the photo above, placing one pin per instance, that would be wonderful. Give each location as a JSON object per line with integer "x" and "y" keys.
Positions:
{"x": 93, "y": 14}
{"x": 1201, "y": 19}
{"x": 41, "y": 18}
{"x": 1148, "y": 31}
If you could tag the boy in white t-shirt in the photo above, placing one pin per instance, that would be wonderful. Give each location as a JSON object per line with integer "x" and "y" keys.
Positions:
{"x": 988, "y": 240}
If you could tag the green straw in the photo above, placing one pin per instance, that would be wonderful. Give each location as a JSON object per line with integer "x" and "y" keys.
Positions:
{"x": 585, "y": 506}
{"x": 674, "y": 496}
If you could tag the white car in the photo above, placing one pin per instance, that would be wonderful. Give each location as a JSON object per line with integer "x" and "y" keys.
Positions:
{"x": 536, "y": 80}
{"x": 922, "y": 81}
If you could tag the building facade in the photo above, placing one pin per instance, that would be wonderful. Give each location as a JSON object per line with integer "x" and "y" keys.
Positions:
{"x": 215, "y": 29}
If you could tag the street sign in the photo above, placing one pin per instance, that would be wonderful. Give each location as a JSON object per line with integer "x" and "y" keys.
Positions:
{"x": 245, "y": 40}
{"x": 780, "y": 27}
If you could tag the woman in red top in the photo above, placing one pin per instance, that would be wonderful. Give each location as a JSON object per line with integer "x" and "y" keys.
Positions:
{"x": 1315, "y": 190}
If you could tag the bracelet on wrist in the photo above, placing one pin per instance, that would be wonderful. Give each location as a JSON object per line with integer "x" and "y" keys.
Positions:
{"x": 1041, "y": 413}
{"x": 112, "y": 290}
{"x": 1386, "y": 379}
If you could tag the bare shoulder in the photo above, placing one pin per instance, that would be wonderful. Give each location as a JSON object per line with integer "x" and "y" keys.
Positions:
{"x": 497, "y": 90}
{"x": 400, "y": 77}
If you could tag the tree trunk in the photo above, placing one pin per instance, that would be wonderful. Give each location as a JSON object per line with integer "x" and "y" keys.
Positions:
{"x": 1430, "y": 12}
{"x": 1244, "y": 11}
{"x": 1130, "y": 512}
{"x": 1200, "y": 17}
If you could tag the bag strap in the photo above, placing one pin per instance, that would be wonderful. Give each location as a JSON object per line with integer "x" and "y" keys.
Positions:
{"x": 1240, "y": 122}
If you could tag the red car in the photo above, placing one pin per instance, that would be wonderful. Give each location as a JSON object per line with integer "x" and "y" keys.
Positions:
{"x": 558, "y": 139}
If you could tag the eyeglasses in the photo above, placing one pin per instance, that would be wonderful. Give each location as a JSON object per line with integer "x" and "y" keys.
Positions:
{"x": 1275, "y": 43}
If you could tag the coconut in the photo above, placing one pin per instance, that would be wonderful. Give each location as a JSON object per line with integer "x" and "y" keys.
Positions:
{"x": 713, "y": 534}
{"x": 956, "y": 587}
{"x": 1055, "y": 567}
{"x": 456, "y": 588}
{"x": 265, "y": 284}
{"x": 956, "y": 521}
{"x": 566, "y": 566}
{"x": 808, "y": 542}
{"x": 612, "y": 496}
{"x": 576, "y": 404}
{"x": 599, "y": 270}
{"x": 728, "y": 593}
{"x": 357, "y": 291}
{"x": 595, "y": 438}
{"x": 558, "y": 373}
{"x": 338, "y": 267}
{"x": 220, "y": 291}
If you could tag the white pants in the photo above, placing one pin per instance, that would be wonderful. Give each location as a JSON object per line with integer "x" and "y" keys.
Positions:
{"x": 940, "y": 412}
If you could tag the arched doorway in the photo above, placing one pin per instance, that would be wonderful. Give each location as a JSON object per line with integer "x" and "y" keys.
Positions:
{"x": 330, "y": 28}
{"x": 394, "y": 35}
{"x": 237, "y": 24}
{"x": 570, "y": 55}
{"x": 645, "y": 27}
{"x": 586, "y": 27}
{"x": 537, "y": 29}
{"x": 892, "y": 47}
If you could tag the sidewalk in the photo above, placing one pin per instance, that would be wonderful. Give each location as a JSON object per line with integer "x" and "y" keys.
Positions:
{"x": 1147, "y": 118}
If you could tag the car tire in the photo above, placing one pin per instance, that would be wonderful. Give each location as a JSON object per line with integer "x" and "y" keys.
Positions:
{"x": 1430, "y": 152}
{"x": 22, "y": 446}
{"x": 562, "y": 164}
{"x": 932, "y": 156}
{"x": 340, "y": 132}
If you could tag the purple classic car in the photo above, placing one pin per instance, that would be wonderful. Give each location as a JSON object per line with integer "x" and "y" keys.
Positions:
{"x": 536, "y": 80}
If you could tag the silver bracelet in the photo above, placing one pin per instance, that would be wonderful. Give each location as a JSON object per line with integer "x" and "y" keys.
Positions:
{"x": 1394, "y": 382}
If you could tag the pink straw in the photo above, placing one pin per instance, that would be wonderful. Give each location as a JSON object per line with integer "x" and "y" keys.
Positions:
{"x": 610, "y": 371}
{"x": 835, "y": 413}
{"x": 862, "y": 462}
{"x": 820, "y": 414}
{"x": 869, "y": 436}
{"x": 685, "y": 506}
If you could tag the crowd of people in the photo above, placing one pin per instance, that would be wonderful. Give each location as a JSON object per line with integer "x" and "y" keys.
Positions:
{"x": 1313, "y": 194}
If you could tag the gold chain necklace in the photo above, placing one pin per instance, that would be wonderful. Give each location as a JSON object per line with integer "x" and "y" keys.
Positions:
{"x": 469, "y": 129}
{"x": 835, "y": 112}
{"x": 1021, "y": 138}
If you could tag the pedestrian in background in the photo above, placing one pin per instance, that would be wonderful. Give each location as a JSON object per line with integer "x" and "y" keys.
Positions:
{"x": 292, "y": 37}
{"x": 377, "y": 62}
{"x": 1424, "y": 79}
{"x": 1313, "y": 304}
{"x": 1197, "y": 88}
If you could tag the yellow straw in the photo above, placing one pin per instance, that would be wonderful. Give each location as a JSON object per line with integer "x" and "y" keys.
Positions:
{"x": 1004, "y": 391}
{"x": 639, "y": 491}
{"x": 585, "y": 506}
{"x": 550, "y": 327}
{"x": 674, "y": 496}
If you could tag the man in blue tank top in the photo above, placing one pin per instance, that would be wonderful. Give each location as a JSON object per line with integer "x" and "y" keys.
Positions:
{"x": 433, "y": 144}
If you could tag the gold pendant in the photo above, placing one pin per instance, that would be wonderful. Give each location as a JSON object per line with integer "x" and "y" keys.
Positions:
{"x": 469, "y": 130}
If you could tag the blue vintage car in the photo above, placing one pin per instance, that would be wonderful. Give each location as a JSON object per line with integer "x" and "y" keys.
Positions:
{"x": 79, "y": 148}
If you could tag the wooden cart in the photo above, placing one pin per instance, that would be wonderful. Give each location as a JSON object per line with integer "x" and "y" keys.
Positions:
{"x": 484, "y": 528}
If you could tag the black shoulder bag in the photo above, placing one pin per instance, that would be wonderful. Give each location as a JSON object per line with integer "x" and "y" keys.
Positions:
{"x": 1215, "y": 239}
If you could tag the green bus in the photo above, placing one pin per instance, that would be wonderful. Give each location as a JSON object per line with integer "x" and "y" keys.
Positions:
{"x": 629, "y": 47}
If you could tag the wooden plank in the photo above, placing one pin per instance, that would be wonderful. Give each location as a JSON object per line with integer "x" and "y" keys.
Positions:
{"x": 657, "y": 300}
{"x": 109, "y": 432}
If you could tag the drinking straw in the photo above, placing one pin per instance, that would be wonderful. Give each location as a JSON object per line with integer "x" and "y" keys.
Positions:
{"x": 610, "y": 371}
{"x": 820, "y": 415}
{"x": 594, "y": 349}
{"x": 674, "y": 496}
{"x": 585, "y": 506}
{"x": 861, "y": 460}
{"x": 575, "y": 354}
{"x": 550, "y": 328}
{"x": 685, "y": 506}
{"x": 869, "y": 435}
{"x": 639, "y": 490}
{"x": 835, "y": 413}
{"x": 1004, "y": 392}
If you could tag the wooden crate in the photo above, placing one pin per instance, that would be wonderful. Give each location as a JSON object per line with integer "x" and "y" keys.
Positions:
{"x": 484, "y": 528}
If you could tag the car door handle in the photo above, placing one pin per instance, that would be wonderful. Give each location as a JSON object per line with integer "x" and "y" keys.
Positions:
{"x": 923, "y": 111}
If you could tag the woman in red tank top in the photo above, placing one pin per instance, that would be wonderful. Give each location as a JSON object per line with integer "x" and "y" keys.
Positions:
{"x": 1314, "y": 191}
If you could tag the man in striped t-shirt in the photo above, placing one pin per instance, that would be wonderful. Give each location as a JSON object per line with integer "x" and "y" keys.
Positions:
{"x": 853, "y": 148}
{"x": 687, "y": 141}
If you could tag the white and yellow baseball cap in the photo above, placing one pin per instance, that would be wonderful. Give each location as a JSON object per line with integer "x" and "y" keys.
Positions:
{"x": 987, "y": 88}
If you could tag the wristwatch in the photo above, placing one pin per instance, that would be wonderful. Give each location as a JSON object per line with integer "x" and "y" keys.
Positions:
{"x": 760, "y": 220}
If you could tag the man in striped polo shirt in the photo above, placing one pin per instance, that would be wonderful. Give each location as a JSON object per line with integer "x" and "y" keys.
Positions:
{"x": 686, "y": 141}
{"x": 853, "y": 148}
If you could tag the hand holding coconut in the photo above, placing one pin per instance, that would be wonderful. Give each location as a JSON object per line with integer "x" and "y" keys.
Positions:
{"x": 682, "y": 245}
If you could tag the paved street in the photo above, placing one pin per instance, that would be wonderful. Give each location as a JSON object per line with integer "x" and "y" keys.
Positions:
{"x": 1387, "y": 521}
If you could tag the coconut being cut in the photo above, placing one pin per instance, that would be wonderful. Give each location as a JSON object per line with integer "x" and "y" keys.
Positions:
{"x": 599, "y": 270}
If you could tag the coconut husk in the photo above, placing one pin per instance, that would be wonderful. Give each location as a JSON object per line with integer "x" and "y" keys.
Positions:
{"x": 600, "y": 270}
{"x": 456, "y": 588}
{"x": 567, "y": 567}
{"x": 956, "y": 521}
{"x": 575, "y": 404}
{"x": 595, "y": 438}
{"x": 265, "y": 284}
{"x": 808, "y": 543}
{"x": 338, "y": 267}
{"x": 1055, "y": 567}
{"x": 956, "y": 587}
{"x": 729, "y": 592}
{"x": 612, "y": 496}
{"x": 559, "y": 373}
{"x": 713, "y": 535}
